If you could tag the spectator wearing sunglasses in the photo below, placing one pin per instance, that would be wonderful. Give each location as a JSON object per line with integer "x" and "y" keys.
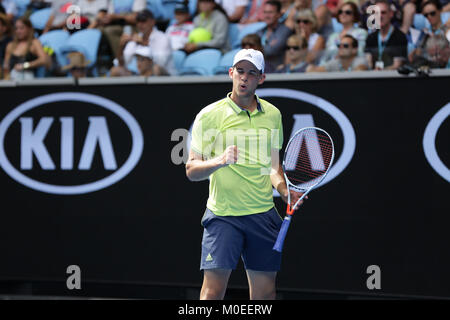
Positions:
{"x": 348, "y": 15}
{"x": 296, "y": 52}
{"x": 433, "y": 43}
{"x": 323, "y": 16}
{"x": 431, "y": 10}
{"x": 386, "y": 47}
{"x": 252, "y": 41}
{"x": 347, "y": 58}
{"x": 306, "y": 26}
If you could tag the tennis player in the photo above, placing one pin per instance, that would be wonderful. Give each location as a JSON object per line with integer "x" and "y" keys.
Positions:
{"x": 229, "y": 140}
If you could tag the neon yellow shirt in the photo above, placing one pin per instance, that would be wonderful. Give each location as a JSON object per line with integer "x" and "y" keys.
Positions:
{"x": 242, "y": 188}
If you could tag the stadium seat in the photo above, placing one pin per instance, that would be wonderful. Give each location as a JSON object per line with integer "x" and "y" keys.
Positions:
{"x": 192, "y": 5}
{"x": 249, "y": 29}
{"x": 56, "y": 39}
{"x": 84, "y": 41}
{"x": 337, "y": 26}
{"x": 201, "y": 62}
{"x": 123, "y": 6}
{"x": 21, "y": 6}
{"x": 233, "y": 35}
{"x": 445, "y": 16}
{"x": 178, "y": 57}
{"x": 163, "y": 9}
{"x": 225, "y": 62}
{"x": 39, "y": 18}
{"x": 420, "y": 22}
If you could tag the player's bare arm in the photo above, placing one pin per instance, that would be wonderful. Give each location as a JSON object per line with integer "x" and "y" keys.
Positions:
{"x": 198, "y": 168}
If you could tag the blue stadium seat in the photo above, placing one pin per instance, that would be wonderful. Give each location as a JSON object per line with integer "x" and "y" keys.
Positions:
{"x": 337, "y": 26}
{"x": 445, "y": 16}
{"x": 249, "y": 29}
{"x": 123, "y": 6}
{"x": 84, "y": 41}
{"x": 178, "y": 57}
{"x": 56, "y": 39}
{"x": 21, "y": 6}
{"x": 39, "y": 18}
{"x": 233, "y": 35}
{"x": 168, "y": 7}
{"x": 225, "y": 62}
{"x": 201, "y": 62}
{"x": 192, "y": 5}
{"x": 163, "y": 9}
{"x": 420, "y": 22}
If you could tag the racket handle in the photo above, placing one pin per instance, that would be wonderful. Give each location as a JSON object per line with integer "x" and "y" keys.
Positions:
{"x": 282, "y": 234}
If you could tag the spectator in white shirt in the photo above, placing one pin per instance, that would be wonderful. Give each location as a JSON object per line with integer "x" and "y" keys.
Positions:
{"x": 150, "y": 36}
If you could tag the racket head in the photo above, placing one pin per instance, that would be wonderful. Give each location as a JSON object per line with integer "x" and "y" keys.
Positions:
{"x": 307, "y": 159}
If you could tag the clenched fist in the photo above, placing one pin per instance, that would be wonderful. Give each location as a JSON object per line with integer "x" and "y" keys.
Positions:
{"x": 230, "y": 155}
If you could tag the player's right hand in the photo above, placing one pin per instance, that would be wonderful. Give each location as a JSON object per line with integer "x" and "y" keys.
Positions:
{"x": 230, "y": 155}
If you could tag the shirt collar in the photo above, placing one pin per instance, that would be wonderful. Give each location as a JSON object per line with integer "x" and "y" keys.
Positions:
{"x": 238, "y": 109}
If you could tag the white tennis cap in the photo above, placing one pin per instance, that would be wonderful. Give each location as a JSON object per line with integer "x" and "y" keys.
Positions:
{"x": 251, "y": 55}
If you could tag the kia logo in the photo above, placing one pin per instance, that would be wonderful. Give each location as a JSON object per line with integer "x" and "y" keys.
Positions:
{"x": 92, "y": 136}
{"x": 429, "y": 142}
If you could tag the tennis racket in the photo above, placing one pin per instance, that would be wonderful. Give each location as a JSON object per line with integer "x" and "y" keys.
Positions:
{"x": 308, "y": 157}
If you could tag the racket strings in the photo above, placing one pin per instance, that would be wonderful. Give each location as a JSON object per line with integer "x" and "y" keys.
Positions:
{"x": 308, "y": 157}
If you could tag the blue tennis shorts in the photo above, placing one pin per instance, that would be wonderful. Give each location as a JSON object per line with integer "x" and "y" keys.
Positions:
{"x": 226, "y": 238}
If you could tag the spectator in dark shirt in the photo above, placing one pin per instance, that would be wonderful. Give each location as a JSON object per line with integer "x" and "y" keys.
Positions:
{"x": 273, "y": 36}
{"x": 386, "y": 48}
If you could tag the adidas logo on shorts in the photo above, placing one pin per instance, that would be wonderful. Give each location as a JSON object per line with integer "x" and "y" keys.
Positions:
{"x": 209, "y": 257}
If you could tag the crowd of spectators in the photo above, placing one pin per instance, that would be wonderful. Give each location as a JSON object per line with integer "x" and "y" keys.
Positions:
{"x": 297, "y": 35}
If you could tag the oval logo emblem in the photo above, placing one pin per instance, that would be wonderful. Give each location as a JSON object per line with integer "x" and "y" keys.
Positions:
{"x": 429, "y": 142}
{"x": 96, "y": 144}
{"x": 348, "y": 133}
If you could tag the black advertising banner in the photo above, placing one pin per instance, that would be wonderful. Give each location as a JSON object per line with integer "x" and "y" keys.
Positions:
{"x": 93, "y": 178}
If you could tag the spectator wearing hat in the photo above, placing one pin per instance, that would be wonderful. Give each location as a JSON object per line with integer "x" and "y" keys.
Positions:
{"x": 211, "y": 25}
{"x": 77, "y": 65}
{"x": 150, "y": 36}
{"x": 273, "y": 36}
{"x": 145, "y": 64}
{"x": 178, "y": 33}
